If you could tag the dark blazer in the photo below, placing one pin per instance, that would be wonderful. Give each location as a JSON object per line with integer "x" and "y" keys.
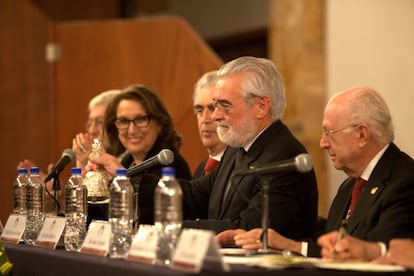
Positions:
{"x": 385, "y": 209}
{"x": 146, "y": 188}
{"x": 199, "y": 171}
{"x": 293, "y": 196}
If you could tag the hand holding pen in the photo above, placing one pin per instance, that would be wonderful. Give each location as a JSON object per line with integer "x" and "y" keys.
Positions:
{"x": 332, "y": 247}
{"x": 339, "y": 246}
{"x": 339, "y": 237}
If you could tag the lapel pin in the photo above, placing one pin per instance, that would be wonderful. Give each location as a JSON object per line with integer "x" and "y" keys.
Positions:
{"x": 374, "y": 190}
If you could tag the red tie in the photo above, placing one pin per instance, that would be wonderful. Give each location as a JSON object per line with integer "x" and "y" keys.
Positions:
{"x": 359, "y": 185}
{"x": 210, "y": 165}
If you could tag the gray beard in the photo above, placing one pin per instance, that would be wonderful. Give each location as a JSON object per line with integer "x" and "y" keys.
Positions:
{"x": 234, "y": 138}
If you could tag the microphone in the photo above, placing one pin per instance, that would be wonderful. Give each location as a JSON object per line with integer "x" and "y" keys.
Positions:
{"x": 164, "y": 157}
{"x": 301, "y": 163}
{"x": 68, "y": 156}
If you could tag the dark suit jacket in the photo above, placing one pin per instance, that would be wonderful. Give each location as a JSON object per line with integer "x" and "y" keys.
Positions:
{"x": 199, "y": 171}
{"x": 385, "y": 208}
{"x": 146, "y": 188}
{"x": 293, "y": 196}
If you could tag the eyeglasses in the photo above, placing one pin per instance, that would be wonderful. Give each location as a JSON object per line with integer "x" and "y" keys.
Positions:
{"x": 199, "y": 109}
{"x": 139, "y": 121}
{"x": 223, "y": 105}
{"x": 330, "y": 132}
{"x": 98, "y": 122}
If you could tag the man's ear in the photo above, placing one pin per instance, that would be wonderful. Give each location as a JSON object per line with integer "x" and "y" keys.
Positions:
{"x": 364, "y": 132}
{"x": 262, "y": 106}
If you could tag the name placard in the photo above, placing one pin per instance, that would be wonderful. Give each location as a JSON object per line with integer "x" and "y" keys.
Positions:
{"x": 14, "y": 229}
{"x": 97, "y": 239}
{"x": 144, "y": 245}
{"x": 207, "y": 249}
{"x": 51, "y": 231}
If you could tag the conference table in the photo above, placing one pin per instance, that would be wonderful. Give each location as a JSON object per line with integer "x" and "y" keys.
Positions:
{"x": 30, "y": 260}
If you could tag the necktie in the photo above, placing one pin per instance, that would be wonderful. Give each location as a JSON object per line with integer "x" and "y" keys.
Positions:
{"x": 359, "y": 185}
{"x": 210, "y": 165}
{"x": 237, "y": 166}
{"x": 239, "y": 158}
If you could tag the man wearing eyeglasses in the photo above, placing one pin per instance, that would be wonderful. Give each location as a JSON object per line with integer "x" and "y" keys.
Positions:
{"x": 376, "y": 200}
{"x": 207, "y": 127}
{"x": 249, "y": 101}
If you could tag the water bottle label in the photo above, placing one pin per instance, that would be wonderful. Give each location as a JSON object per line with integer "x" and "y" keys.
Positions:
{"x": 14, "y": 229}
{"x": 51, "y": 231}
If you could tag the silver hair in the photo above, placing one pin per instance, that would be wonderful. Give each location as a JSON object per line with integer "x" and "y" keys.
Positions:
{"x": 206, "y": 80}
{"x": 368, "y": 106}
{"x": 262, "y": 79}
{"x": 103, "y": 98}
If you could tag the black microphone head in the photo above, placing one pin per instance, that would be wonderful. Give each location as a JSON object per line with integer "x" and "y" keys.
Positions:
{"x": 69, "y": 153}
{"x": 303, "y": 163}
{"x": 165, "y": 157}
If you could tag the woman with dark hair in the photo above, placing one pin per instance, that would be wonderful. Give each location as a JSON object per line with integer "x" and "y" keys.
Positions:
{"x": 138, "y": 126}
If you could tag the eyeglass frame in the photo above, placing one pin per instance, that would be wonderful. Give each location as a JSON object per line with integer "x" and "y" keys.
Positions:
{"x": 225, "y": 106}
{"x": 98, "y": 122}
{"x": 328, "y": 133}
{"x": 143, "y": 121}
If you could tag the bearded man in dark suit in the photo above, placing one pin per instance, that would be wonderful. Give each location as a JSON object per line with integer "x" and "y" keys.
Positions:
{"x": 249, "y": 100}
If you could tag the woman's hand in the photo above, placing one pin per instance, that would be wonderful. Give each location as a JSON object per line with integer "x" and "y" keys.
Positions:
{"x": 105, "y": 161}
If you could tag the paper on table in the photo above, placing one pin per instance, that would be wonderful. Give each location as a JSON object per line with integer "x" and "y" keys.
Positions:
{"x": 273, "y": 261}
{"x": 280, "y": 262}
{"x": 234, "y": 252}
{"x": 357, "y": 266}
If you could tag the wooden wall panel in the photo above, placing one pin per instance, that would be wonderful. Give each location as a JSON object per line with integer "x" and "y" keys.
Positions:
{"x": 163, "y": 53}
{"x": 25, "y": 107}
{"x": 297, "y": 40}
{"x": 64, "y": 10}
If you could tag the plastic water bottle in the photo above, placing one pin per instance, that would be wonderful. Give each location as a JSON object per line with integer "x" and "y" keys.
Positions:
{"x": 19, "y": 192}
{"x": 168, "y": 215}
{"x": 121, "y": 212}
{"x": 76, "y": 211}
{"x": 35, "y": 205}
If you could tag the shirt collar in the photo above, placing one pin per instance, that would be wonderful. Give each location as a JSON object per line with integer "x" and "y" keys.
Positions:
{"x": 371, "y": 165}
{"x": 217, "y": 156}
{"x": 248, "y": 145}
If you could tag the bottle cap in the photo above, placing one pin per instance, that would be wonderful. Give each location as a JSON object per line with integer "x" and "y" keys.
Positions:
{"x": 169, "y": 171}
{"x": 76, "y": 170}
{"x": 121, "y": 171}
{"x": 34, "y": 170}
{"x": 22, "y": 171}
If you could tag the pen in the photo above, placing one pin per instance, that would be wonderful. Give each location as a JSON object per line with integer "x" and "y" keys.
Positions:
{"x": 341, "y": 234}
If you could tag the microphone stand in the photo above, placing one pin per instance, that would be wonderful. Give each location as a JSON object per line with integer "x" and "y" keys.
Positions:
{"x": 56, "y": 189}
{"x": 135, "y": 199}
{"x": 265, "y": 217}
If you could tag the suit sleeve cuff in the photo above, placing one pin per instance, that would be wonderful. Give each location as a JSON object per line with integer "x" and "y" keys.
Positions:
{"x": 383, "y": 248}
{"x": 304, "y": 249}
